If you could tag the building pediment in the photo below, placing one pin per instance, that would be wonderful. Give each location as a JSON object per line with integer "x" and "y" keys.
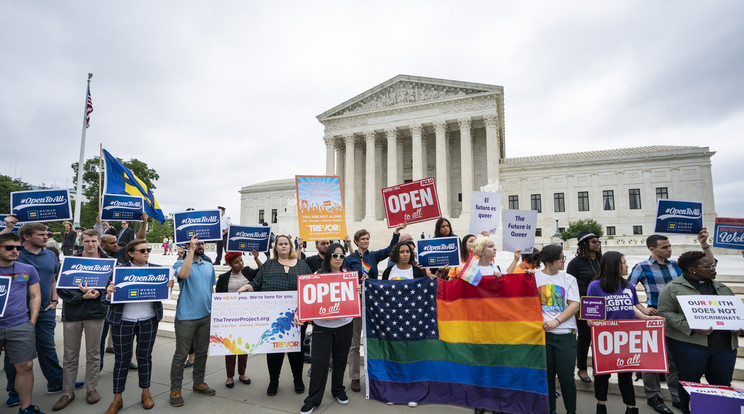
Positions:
{"x": 405, "y": 90}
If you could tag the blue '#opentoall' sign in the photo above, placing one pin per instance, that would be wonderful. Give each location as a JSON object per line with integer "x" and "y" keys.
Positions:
{"x": 41, "y": 205}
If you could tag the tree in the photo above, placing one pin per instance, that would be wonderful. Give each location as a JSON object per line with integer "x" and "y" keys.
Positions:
{"x": 576, "y": 227}
{"x": 156, "y": 231}
{"x": 89, "y": 209}
{"x": 7, "y": 186}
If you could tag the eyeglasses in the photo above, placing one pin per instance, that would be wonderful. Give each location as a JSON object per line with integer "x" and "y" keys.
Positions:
{"x": 10, "y": 248}
{"x": 143, "y": 251}
{"x": 338, "y": 256}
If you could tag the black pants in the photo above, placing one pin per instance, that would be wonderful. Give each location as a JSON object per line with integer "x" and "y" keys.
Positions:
{"x": 327, "y": 343}
{"x": 583, "y": 342}
{"x": 624, "y": 381}
{"x": 296, "y": 359}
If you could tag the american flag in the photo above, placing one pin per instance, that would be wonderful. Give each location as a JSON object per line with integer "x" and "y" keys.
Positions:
{"x": 402, "y": 310}
{"x": 88, "y": 108}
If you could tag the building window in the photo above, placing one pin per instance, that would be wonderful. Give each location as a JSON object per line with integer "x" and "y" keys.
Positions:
{"x": 561, "y": 229}
{"x": 459, "y": 197}
{"x": 662, "y": 192}
{"x": 513, "y": 202}
{"x": 608, "y": 199}
{"x": 610, "y": 230}
{"x": 538, "y": 232}
{"x": 559, "y": 203}
{"x": 637, "y": 229}
{"x": 260, "y": 216}
{"x": 583, "y": 201}
{"x": 536, "y": 202}
{"x": 273, "y": 215}
{"x": 634, "y": 194}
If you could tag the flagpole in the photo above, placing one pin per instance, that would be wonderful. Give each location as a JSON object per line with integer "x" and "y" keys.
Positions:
{"x": 79, "y": 192}
{"x": 100, "y": 175}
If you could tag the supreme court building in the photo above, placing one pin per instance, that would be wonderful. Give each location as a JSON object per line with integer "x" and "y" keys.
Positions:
{"x": 409, "y": 128}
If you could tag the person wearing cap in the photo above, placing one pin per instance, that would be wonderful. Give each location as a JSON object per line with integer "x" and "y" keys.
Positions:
{"x": 655, "y": 273}
{"x": 584, "y": 268}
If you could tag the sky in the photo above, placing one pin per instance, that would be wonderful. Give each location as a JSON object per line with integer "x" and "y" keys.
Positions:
{"x": 216, "y": 95}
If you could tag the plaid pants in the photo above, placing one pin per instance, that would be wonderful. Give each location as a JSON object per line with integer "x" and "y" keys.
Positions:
{"x": 123, "y": 336}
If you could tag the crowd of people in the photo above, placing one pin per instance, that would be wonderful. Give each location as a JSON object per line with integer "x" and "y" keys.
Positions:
{"x": 31, "y": 311}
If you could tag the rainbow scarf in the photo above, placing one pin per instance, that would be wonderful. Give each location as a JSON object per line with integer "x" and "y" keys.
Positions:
{"x": 449, "y": 342}
{"x": 470, "y": 271}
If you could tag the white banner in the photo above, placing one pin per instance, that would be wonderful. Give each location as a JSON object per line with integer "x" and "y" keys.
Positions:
{"x": 253, "y": 323}
{"x": 484, "y": 213}
{"x": 719, "y": 312}
{"x": 519, "y": 230}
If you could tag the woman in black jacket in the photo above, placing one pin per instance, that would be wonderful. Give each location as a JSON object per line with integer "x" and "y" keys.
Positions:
{"x": 231, "y": 281}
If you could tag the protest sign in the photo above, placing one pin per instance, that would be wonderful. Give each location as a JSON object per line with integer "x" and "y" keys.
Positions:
{"x": 679, "y": 217}
{"x": 706, "y": 398}
{"x": 253, "y": 323}
{"x": 122, "y": 207}
{"x": 93, "y": 272}
{"x": 629, "y": 346}
{"x": 719, "y": 312}
{"x": 328, "y": 296}
{"x": 16, "y": 228}
{"x": 438, "y": 252}
{"x": 247, "y": 239}
{"x": 5, "y": 282}
{"x": 485, "y": 210}
{"x": 519, "y": 231}
{"x": 320, "y": 208}
{"x": 729, "y": 233}
{"x": 412, "y": 202}
{"x": 141, "y": 284}
{"x": 204, "y": 224}
{"x": 41, "y": 205}
{"x": 593, "y": 308}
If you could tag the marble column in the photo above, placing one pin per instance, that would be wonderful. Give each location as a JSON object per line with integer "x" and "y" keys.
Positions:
{"x": 392, "y": 156}
{"x": 424, "y": 157}
{"x": 379, "y": 211}
{"x": 370, "y": 185}
{"x": 340, "y": 161}
{"x": 349, "y": 195}
{"x": 466, "y": 164}
{"x": 330, "y": 154}
{"x": 442, "y": 177}
{"x": 493, "y": 152}
{"x": 417, "y": 172}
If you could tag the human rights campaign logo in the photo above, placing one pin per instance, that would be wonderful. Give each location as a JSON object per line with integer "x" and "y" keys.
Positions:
{"x": 133, "y": 293}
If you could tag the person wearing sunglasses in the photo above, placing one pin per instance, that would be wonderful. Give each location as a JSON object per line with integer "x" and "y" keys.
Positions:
{"x": 331, "y": 343}
{"x": 129, "y": 321}
{"x": 17, "y": 333}
{"x": 559, "y": 299}
{"x": 83, "y": 313}
{"x": 704, "y": 351}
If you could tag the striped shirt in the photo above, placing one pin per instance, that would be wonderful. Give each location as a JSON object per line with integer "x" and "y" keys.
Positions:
{"x": 654, "y": 276}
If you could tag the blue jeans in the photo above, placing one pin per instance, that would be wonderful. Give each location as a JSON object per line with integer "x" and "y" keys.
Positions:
{"x": 718, "y": 366}
{"x": 47, "y": 354}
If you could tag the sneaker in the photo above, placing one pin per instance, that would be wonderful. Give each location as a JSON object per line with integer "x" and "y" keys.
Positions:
{"x": 307, "y": 408}
{"x": 13, "y": 401}
{"x": 31, "y": 409}
{"x": 342, "y": 399}
{"x": 412, "y": 404}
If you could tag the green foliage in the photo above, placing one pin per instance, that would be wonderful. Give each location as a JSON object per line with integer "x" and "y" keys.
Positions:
{"x": 7, "y": 186}
{"x": 91, "y": 168}
{"x": 156, "y": 231}
{"x": 576, "y": 227}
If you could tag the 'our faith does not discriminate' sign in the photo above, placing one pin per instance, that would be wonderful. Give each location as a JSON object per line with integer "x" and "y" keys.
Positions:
{"x": 41, "y": 205}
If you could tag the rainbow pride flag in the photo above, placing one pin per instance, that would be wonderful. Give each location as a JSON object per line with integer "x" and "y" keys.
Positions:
{"x": 449, "y": 342}
{"x": 365, "y": 267}
{"x": 470, "y": 272}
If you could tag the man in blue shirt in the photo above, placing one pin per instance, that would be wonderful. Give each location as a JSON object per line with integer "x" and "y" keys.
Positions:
{"x": 196, "y": 279}
{"x": 655, "y": 273}
{"x": 358, "y": 262}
